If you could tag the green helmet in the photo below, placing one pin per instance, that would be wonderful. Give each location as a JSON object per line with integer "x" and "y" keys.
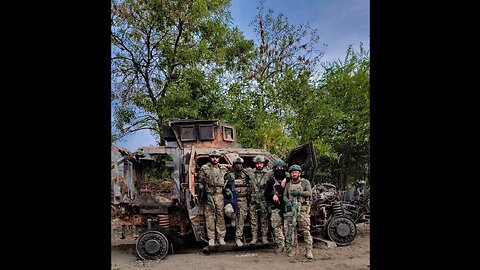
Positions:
{"x": 215, "y": 153}
{"x": 259, "y": 159}
{"x": 295, "y": 168}
{"x": 279, "y": 163}
{"x": 238, "y": 160}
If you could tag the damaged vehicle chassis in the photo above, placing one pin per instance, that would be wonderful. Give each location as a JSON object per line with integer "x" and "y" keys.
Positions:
{"x": 153, "y": 188}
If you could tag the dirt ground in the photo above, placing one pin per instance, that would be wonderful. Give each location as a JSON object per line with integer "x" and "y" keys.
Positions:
{"x": 354, "y": 256}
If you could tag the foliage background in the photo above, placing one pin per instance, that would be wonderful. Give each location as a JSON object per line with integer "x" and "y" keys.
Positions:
{"x": 183, "y": 59}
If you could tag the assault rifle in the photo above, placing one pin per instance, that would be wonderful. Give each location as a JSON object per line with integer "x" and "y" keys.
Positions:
{"x": 294, "y": 214}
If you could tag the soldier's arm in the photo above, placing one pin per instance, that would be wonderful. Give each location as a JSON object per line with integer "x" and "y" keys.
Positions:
{"x": 201, "y": 175}
{"x": 269, "y": 192}
{"x": 307, "y": 189}
{"x": 285, "y": 194}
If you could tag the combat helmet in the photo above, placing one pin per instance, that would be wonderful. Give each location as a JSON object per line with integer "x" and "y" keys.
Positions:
{"x": 259, "y": 158}
{"x": 214, "y": 153}
{"x": 295, "y": 167}
{"x": 238, "y": 160}
{"x": 279, "y": 163}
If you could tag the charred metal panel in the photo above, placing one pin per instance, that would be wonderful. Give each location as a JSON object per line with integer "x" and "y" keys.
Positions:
{"x": 305, "y": 157}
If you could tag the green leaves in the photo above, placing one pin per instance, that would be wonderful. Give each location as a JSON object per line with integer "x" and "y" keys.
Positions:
{"x": 180, "y": 59}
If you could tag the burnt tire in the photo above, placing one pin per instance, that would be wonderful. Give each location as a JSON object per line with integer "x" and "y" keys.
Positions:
{"x": 341, "y": 229}
{"x": 152, "y": 245}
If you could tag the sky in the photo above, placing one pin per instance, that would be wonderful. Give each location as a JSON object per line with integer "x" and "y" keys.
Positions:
{"x": 339, "y": 23}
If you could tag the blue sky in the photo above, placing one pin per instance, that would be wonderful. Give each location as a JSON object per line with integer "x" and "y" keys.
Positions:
{"x": 339, "y": 23}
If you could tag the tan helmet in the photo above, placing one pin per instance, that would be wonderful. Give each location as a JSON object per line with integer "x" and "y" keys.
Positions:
{"x": 229, "y": 212}
{"x": 238, "y": 160}
{"x": 259, "y": 159}
{"x": 215, "y": 153}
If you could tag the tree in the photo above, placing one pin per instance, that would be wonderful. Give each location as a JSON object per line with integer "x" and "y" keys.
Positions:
{"x": 285, "y": 57}
{"x": 167, "y": 60}
{"x": 336, "y": 116}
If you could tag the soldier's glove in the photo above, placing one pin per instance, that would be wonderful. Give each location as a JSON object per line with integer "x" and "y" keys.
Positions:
{"x": 253, "y": 202}
{"x": 228, "y": 193}
{"x": 296, "y": 193}
{"x": 289, "y": 206}
{"x": 198, "y": 188}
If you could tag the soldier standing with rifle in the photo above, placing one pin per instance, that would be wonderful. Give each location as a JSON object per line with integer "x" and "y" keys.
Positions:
{"x": 258, "y": 206}
{"x": 274, "y": 195}
{"x": 298, "y": 196}
{"x": 211, "y": 175}
{"x": 239, "y": 182}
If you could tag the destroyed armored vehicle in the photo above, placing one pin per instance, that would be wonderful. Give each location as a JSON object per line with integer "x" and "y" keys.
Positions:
{"x": 334, "y": 214}
{"x": 153, "y": 188}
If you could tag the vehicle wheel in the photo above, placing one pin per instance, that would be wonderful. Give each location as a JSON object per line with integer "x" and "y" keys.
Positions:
{"x": 341, "y": 229}
{"x": 152, "y": 245}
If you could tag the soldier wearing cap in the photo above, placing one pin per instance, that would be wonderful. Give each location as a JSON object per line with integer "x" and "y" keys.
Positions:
{"x": 298, "y": 191}
{"x": 238, "y": 182}
{"x": 211, "y": 175}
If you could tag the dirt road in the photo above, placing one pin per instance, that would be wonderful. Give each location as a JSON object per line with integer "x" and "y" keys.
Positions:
{"x": 354, "y": 256}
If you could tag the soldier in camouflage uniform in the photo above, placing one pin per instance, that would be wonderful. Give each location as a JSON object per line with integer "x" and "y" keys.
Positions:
{"x": 274, "y": 196}
{"x": 211, "y": 175}
{"x": 241, "y": 184}
{"x": 298, "y": 190}
{"x": 258, "y": 207}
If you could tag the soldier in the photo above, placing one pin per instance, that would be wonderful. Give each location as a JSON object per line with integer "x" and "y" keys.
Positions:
{"x": 238, "y": 181}
{"x": 258, "y": 207}
{"x": 298, "y": 196}
{"x": 274, "y": 196}
{"x": 211, "y": 176}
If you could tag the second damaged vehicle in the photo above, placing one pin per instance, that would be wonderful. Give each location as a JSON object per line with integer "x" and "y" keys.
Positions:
{"x": 154, "y": 191}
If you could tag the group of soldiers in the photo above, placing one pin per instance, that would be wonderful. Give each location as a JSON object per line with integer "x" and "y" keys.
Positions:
{"x": 237, "y": 192}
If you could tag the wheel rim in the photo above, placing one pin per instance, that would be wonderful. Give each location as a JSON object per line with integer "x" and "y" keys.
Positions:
{"x": 152, "y": 245}
{"x": 342, "y": 230}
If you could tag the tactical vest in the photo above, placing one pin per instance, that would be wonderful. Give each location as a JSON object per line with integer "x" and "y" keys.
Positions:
{"x": 258, "y": 181}
{"x": 297, "y": 186}
{"x": 214, "y": 177}
{"x": 241, "y": 184}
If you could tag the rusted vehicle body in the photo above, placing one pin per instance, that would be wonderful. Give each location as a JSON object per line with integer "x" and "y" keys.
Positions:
{"x": 153, "y": 188}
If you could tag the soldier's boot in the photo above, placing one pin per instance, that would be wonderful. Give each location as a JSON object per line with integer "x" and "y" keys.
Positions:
{"x": 239, "y": 242}
{"x": 254, "y": 240}
{"x": 291, "y": 252}
{"x": 222, "y": 242}
{"x": 279, "y": 250}
{"x": 265, "y": 240}
{"x": 309, "y": 253}
{"x": 211, "y": 242}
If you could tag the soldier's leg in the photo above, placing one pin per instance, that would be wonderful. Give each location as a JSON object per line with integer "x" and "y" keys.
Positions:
{"x": 210, "y": 222}
{"x": 288, "y": 231}
{"x": 253, "y": 223}
{"x": 264, "y": 224}
{"x": 242, "y": 215}
{"x": 277, "y": 225}
{"x": 304, "y": 227}
{"x": 220, "y": 219}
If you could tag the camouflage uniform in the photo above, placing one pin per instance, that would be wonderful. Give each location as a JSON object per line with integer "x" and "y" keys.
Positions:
{"x": 258, "y": 180}
{"x": 213, "y": 176}
{"x": 241, "y": 181}
{"x": 303, "y": 219}
{"x": 272, "y": 188}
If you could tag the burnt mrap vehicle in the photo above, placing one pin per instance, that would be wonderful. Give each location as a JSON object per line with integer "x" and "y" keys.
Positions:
{"x": 153, "y": 188}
